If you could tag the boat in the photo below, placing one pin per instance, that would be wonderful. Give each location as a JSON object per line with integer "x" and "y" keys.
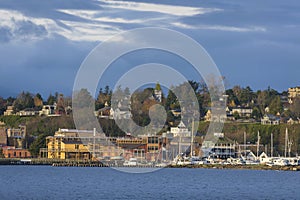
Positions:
{"x": 132, "y": 162}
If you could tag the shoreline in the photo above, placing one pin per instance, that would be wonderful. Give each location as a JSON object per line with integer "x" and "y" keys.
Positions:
{"x": 241, "y": 167}
{"x": 72, "y": 163}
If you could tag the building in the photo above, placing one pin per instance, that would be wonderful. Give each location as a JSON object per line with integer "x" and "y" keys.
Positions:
{"x": 292, "y": 121}
{"x": 69, "y": 144}
{"x": 27, "y": 112}
{"x": 242, "y": 111}
{"x": 293, "y": 93}
{"x": 270, "y": 119}
{"x": 12, "y": 152}
{"x": 223, "y": 149}
{"x": 176, "y": 112}
{"x": 217, "y": 117}
{"x": 47, "y": 110}
{"x": 19, "y": 133}
{"x": 122, "y": 111}
{"x": 180, "y": 142}
{"x": 158, "y": 93}
{"x": 103, "y": 112}
{"x": 9, "y": 111}
{"x": 82, "y": 145}
{"x": 180, "y": 130}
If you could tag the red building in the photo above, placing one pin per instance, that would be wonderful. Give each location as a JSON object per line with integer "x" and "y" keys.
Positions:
{"x": 12, "y": 152}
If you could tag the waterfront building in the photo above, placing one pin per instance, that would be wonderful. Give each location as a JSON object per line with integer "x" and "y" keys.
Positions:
{"x": 12, "y": 152}
{"x": 82, "y": 145}
{"x": 180, "y": 142}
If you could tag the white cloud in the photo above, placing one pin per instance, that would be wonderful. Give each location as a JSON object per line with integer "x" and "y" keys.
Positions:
{"x": 18, "y": 27}
{"x": 221, "y": 27}
{"x": 88, "y": 31}
{"x": 161, "y": 8}
{"x": 93, "y": 15}
{"x": 15, "y": 25}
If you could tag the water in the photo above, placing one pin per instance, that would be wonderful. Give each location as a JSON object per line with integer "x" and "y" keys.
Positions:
{"x": 45, "y": 182}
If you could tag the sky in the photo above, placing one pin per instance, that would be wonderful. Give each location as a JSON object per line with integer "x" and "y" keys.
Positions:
{"x": 43, "y": 43}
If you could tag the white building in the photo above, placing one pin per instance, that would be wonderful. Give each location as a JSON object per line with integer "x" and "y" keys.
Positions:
{"x": 180, "y": 131}
{"x": 47, "y": 110}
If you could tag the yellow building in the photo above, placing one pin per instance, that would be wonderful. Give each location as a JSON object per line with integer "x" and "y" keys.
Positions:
{"x": 294, "y": 92}
{"x": 66, "y": 144}
{"x": 79, "y": 145}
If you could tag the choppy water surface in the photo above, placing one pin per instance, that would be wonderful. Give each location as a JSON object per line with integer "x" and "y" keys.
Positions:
{"x": 45, "y": 182}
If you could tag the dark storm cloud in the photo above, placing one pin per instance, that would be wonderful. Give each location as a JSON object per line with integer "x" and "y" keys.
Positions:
{"x": 253, "y": 43}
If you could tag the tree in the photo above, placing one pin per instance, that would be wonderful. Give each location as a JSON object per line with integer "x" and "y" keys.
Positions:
{"x": 38, "y": 100}
{"x": 256, "y": 113}
{"x": 232, "y": 98}
{"x": 171, "y": 101}
{"x": 246, "y": 96}
{"x": 295, "y": 107}
{"x": 2, "y": 105}
{"x": 60, "y": 107}
{"x": 262, "y": 100}
{"x": 83, "y": 107}
{"x": 51, "y": 99}
{"x": 24, "y": 100}
{"x": 39, "y": 142}
{"x": 276, "y": 105}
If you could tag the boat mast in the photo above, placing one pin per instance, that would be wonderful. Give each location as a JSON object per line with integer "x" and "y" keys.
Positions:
{"x": 271, "y": 144}
{"x": 285, "y": 143}
{"x": 94, "y": 143}
{"x": 192, "y": 138}
{"x": 258, "y": 139}
{"x": 245, "y": 141}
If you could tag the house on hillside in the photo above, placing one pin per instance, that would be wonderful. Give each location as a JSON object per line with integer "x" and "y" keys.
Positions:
{"x": 269, "y": 119}
{"x": 9, "y": 111}
{"x": 48, "y": 110}
{"x": 242, "y": 111}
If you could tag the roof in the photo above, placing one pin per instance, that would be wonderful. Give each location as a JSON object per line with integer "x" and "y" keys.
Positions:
{"x": 72, "y": 142}
{"x": 272, "y": 117}
{"x": 181, "y": 125}
{"x": 130, "y": 146}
